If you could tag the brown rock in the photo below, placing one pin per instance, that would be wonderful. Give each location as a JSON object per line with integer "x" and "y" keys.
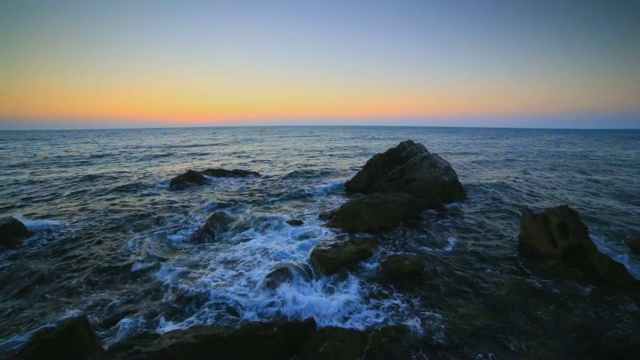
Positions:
{"x": 331, "y": 256}
{"x": 409, "y": 168}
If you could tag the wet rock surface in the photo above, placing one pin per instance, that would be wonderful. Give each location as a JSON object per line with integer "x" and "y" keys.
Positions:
{"x": 409, "y": 168}
{"x": 72, "y": 338}
{"x": 560, "y": 243}
{"x": 331, "y": 256}
{"x": 251, "y": 341}
{"x": 375, "y": 213}
{"x": 403, "y": 266}
{"x": 295, "y": 222}
{"x": 286, "y": 273}
{"x": 187, "y": 179}
{"x": 12, "y": 232}
{"x": 219, "y": 222}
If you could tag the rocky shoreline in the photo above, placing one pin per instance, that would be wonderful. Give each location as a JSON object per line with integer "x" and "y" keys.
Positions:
{"x": 393, "y": 189}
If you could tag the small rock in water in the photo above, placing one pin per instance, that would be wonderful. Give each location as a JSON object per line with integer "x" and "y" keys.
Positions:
{"x": 560, "y": 242}
{"x": 375, "y": 213}
{"x": 12, "y": 232}
{"x": 185, "y": 180}
{"x": 295, "y": 222}
{"x": 409, "y": 168}
{"x": 285, "y": 273}
{"x": 331, "y": 256}
{"x": 216, "y": 224}
{"x": 634, "y": 245}
{"x": 71, "y": 338}
{"x": 403, "y": 266}
{"x": 235, "y": 173}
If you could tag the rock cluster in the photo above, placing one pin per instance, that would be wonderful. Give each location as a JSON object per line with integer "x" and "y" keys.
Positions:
{"x": 192, "y": 177}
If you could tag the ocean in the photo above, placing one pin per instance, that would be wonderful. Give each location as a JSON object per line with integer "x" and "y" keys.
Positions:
{"x": 109, "y": 237}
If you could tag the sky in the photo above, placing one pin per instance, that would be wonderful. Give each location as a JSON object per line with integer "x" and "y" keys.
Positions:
{"x": 139, "y": 63}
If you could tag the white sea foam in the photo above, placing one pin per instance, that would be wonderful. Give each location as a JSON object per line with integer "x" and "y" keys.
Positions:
{"x": 35, "y": 225}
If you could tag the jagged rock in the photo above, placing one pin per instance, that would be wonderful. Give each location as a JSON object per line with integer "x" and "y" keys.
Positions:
{"x": 185, "y": 180}
{"x": 235, "y": 173}
{"x": 560, "y": 242}
{"x": 71, "y": 338}
{"x": 216, "y": 224}
{"x": 376, "y": 213}
{"x": 331, "y": 256}
{"x": 12, "y": 232}
{"x": 251, "y": 341}
{"x": 634, "y": 245}
{"x": 285, "y": 273}
{"x": 403, "y": 266}
{"x": 295, "y": 222}
{"x": 409, "y": 168}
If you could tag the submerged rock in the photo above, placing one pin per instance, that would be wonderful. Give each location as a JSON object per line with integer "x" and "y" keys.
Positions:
{"x": 403, "y": 266}
{"x": 331, "y": 256}
{"x": 295, "y": 222}
{"x": 12, "y": 232}
{"x": 235, "y": 173}
{"x": 185, "y": 180}
{"x": 634, "y": 245}
{"x": 251, "y": 341}
{"x": 560, "y": 241}
{"x": 71, "y": 338}
{"x": 409, "y": 168}
{"x": 376, "y": 213}
{"x": 216, "y": 224}
{"x": 286, "y": 273}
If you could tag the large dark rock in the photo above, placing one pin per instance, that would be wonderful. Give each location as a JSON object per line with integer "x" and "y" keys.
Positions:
{"x": 403, "y": 266}
{"x": 235, "y": 173}
{"x": 251, "y": 341}
{"x": 560, "y": 241}
{"x": 620, "y": 348}
{"x": 634, "y": 245}
{"x": 409, "y": 168}
{"x": 375, "y": 213}
{"x": 72, "y": 338}
{"x": 331, "y": 256}
{"x": 12, "y": 232}
{"x": 216, "y": 224}
{"x": 185, "y": 180}
{"x": 286, "y": 273}
{"x": 390, "y": 342}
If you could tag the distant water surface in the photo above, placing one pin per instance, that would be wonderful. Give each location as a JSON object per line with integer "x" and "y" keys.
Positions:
{"x": 110, "y": 236}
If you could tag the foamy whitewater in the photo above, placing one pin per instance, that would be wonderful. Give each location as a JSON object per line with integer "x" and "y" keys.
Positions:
{"x": 110, "y": 237}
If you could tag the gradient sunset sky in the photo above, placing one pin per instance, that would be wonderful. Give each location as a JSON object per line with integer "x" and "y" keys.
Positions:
{"x": 137, "y": 63}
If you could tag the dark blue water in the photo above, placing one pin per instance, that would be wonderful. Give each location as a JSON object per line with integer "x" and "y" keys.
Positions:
{"x": 110, "y": 237}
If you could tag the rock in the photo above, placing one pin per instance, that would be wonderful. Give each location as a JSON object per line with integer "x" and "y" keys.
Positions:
{"x": 286, "y": 273}
{"x": 375, "y": 213}
{"x": 390, "y": 342}
{"x": 295, "y": 222}
{"x": 560, "y": 241}
{"x": 216, "y": 224}
{"x": 235, "y": 173}
{"x": 403, "y": 266}
{"x": 185, "y": 180}
{"x": 331, "y": 256}
{"x": 623, "y": 348}
{"x": 409, "y": 168}
{"x": 71, "y": 338}
{"x": 251, "y": 341}
{"x": 12, "y": 232}
{"x": 634, "y": 245}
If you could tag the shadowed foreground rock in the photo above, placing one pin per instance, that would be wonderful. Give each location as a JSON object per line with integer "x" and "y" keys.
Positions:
{"x": 12, "y": 232}
{"x": 331, "y": 256}
{"x": 409, "y": 168}
{"x": 376, "y": 213}
{"x": 71, "y": 338}
{"x": 216, "y": 224}
{"x": 619, "y": 348}
{"x": 251, "y": 341}
{"x": 185, "y": 180}
{"x": 634, "y": 245}
{"x": 559, "y": 242}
